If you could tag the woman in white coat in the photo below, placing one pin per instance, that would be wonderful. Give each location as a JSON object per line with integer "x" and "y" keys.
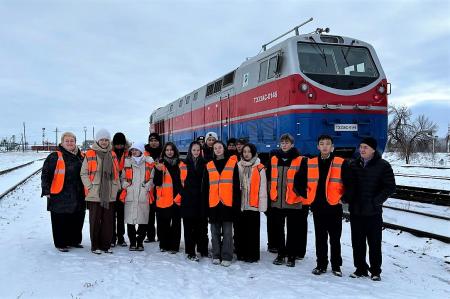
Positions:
{"x": 136, "y": 181}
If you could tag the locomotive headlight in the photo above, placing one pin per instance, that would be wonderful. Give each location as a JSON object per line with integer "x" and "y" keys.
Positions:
{"x": 310, "y": 95}
{"x": 381, "y": 89}
{"x": 304, "y": 87}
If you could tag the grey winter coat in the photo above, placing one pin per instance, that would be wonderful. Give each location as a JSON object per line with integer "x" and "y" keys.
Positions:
{"x": 137, "y": 206}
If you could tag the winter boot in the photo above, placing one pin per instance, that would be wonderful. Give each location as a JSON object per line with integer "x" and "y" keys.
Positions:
{"x": 279, "y": 260}
{"x": 291, "y": 261}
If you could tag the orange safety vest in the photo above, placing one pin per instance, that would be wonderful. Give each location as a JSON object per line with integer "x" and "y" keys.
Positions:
{"x": 221, "y": 185}
{"x": 58, "y": 175}
{"x": 122, "y": 160}
{"x": 255, "y": 184}
{"x": 291, "y": 196}
{"x": 129, "y": 179}
{"x": 164, "y": 193}
{"x": 333, "y": 185}
{"x": 91, "y": 157}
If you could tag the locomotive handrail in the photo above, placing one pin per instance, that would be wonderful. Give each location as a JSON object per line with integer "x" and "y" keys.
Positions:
{"x": 264, "y": 47}
{"x": 360, "y": 107}
{"x": 332, "y": 107}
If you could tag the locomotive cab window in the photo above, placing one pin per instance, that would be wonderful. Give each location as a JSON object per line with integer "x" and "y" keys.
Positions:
{"x": 263, "y": 70}
{"x": 337, "y": 66}
{"x": 195, "y": 96}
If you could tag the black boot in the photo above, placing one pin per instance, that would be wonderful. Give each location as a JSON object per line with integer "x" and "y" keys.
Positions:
{"x": 279, "y": 260}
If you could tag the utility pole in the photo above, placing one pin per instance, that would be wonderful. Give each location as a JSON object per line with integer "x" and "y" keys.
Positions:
{"x": 84, "y": 146}
{"x": 43, "y": 137}
{"x": 56, "y": 140}
{"x": 24, "y": 137}
{"x": 93, "y": 134}
{"x": 21, "y": 141}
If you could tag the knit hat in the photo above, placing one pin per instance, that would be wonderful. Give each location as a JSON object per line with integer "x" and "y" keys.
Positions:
{"x": 211, "y": 134}
{"x": 154, "y": 136}
{"x": 139, "y": 146}
{"x": 119, "y": 139}
{"x": 201, "y": 138}
{"x": 370, "y": 141}
{"x": 102, "y": 134}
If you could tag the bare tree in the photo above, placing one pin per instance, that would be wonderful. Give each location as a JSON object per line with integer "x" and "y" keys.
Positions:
{"x": 408, "y": 135}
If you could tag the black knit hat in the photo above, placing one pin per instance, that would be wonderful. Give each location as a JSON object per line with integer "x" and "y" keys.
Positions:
{"x": 370, "y": 142}
{"x": 154, "y": 136}
{"x": 119, "y": 139}
{"x": 201, "y": 138}
{"x": 242, "y": 141}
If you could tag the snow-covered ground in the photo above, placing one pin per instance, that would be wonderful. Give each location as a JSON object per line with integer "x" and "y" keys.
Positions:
{"x": 12, "y": 159}
{"x": 32, "y": 268}
{"x": 419, "y": 207}
{"x": 425, "y": 160}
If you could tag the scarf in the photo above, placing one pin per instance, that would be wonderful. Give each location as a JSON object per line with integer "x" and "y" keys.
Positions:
{"x": 171, "y": 161}
{"x": 139, "y": 159}
{"x": 107, "y": 176}
{"x": 245, "y": 171}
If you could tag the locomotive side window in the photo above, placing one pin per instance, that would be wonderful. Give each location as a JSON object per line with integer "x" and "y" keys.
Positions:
{"x": 273, "y": 67}
{"x": 187, "y": 99}
{"x": 195, "y": 96}
{"x": 210, "y": 89}
{"x": 218, "y": 86}
{"x": 263, "y": 71}
{"x": 337, "y": 66}
{"x": 180, "y": 103}
{"x": 171, "y": 108}
{"x": 228, "y": 79}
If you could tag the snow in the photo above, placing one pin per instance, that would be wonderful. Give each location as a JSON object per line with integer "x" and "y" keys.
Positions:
{"x": 12, "y": 159}
{"x": 33, "y": 268}
{"x": 419, "y": 207}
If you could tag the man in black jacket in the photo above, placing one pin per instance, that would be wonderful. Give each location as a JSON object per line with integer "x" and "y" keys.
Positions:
{"x": 373, "y": 181}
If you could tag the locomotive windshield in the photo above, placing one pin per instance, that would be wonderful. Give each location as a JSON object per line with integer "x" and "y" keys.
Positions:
{"x": 337, "y": 66}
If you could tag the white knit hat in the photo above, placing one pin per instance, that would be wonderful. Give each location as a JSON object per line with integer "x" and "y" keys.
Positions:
{"x": 102, "y": 134}
{"x": 139, "y": 146}
{"x": 211, "y": 134}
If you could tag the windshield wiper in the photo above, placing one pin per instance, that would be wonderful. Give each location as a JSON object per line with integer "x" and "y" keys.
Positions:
{"x": 346, "y": 52}
{"x": 319, "y": 49}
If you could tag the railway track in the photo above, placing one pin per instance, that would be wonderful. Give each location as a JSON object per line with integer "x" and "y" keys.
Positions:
{"x": 435, "y": 177}
{"x": 2, "y": 172}
{"x": 424, "y": 195}
{"x": 417, "y": 213}
{"x": 23, "y": 181}
{"x": 413, "y": 231}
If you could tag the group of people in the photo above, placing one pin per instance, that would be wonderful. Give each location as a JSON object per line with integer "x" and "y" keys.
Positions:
{"x": 225, "y": 185}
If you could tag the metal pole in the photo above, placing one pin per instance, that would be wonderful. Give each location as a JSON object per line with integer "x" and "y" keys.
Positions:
{"x": 294, "y": 29}
{"x": 84, "y": 146}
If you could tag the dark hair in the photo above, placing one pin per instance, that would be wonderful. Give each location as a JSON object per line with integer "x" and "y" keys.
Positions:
{"x": 224, "y": 148}
{"x": 189, "y": 154}
{"x": 231, "y": 140}
{"x": 252, "y": 148}
{"x": 242, "y": 141}
{"x": 287, "y": 137}
{"x": 324, "y": 137}
{"x": 174, "y": 147}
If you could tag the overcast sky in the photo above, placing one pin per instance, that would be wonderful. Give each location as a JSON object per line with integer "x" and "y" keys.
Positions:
{"x": 70, "y": 64}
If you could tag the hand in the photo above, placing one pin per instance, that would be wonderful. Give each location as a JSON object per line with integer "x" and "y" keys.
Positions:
{"x": 159, "y": 166}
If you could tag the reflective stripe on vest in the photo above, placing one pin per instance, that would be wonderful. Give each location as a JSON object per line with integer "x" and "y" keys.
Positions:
{"x": 255, "y": 186}
{"x": 164, "y": 193}
{"x": 334, "y": 188}
{"x": 291, "y": 196}
{"x": 129, "y": 179}
{"x": 91, "y": 157}
{"x": 58, "y": 175}
{"x": 122, "y": 160}
{"x": 221, "y": 185}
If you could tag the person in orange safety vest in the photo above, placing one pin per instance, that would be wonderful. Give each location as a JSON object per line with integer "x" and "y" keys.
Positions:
{"x": 285, "y": 207}
{"x": 221, "y": 197}
{"x": 170, "y": 175}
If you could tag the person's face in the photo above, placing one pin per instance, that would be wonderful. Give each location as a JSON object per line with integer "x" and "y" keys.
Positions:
{"x": 69, "y": 143}
{"x": 286, "y": 145}
{"x": 104, "y": 142}
{"x": 239, "y": 147}
{"x": 325, "y": 147}
{"x": 195, "y": 150}
{"x": 135, "y": 152}
{"x": 366, "y": 151}
{"x": 169, "y": 152}
{"x": 231, "y": 147}
{"x": 202, "y": 142}
{"x": 154, "y": 143}
{"x": 218, "y": 149}
{"x": 119, "y": 146}
{"x": 247, "y": 154}
{"x": 210, "y": 141}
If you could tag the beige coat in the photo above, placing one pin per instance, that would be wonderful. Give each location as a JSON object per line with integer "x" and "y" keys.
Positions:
{"x": 137, "y": 207}
{"x": 94, "y": 186}
{"x": 245, "y": 187}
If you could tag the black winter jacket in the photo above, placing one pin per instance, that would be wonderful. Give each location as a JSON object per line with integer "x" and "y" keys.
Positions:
{"x": 372, "y": 185}
{"x": 71, "y": 197}
{"x": 191, "y": 193}
{"x": 221, "y": 212}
